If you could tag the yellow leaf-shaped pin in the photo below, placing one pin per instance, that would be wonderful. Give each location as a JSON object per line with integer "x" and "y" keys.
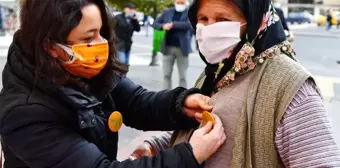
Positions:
{"x": 115, "y": 121}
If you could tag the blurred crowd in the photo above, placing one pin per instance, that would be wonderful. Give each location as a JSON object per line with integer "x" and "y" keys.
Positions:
{"x": 8, "y": 20}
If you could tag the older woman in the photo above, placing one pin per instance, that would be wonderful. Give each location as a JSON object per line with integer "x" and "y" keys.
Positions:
{"x": 269, "y": 104}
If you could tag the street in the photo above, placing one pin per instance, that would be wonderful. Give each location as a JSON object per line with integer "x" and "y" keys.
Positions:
{"x": 316, "y": 49}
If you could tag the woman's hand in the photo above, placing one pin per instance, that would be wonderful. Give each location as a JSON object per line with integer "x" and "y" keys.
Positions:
{"x": 195, "y": 104}
{"x": 207, "y": 140}
{"x": 145, "y": 149}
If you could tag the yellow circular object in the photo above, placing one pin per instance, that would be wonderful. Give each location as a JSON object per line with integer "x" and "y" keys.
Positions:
{"x": 115, "y": 121}
{"x": 291, "y": 38}
{"x": 207, "y": 116}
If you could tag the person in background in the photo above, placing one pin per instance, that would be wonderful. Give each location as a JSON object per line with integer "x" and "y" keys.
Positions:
{"x": 158, "y": 36}
{"x": 338, "y": 18}
{"x": 2, "y": 31}
{"x": 329, "y": 20}
{"x": 272, "y": 109}
{"x": 126, "y": 25}
{"x": 146, "y": 24}
{"x": 277, "y": 6}
{"x": 176, "y": 45}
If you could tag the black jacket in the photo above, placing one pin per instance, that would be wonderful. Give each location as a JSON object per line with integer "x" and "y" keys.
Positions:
{"x": 329, "y": 18}
{"x": 63, "y": 128}
{"x": 124, "y": 28}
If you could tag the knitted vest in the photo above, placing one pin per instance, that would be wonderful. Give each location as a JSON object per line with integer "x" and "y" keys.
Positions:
{"x": 273, "y": 87}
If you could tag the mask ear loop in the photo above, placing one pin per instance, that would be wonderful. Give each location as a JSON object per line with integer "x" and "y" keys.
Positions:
{"x": 221, "y": 63}
{"x": 69, "y": 52}
{"x": 103, "y": 40}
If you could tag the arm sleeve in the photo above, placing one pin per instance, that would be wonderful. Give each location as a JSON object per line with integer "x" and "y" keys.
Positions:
{"x": 152, "y": 111}
{"x": 304, "y": 138}
{"x": 158, "y": 23}
{"x": 182, "y": 25}
{"x": 136, "y": 25}
{"x": 160, "y": 142}
{"x": 41, "y": 141}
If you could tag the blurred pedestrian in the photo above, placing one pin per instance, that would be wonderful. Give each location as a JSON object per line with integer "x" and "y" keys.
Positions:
{"x": 158, "y": 37}
{"x": 289, "y": 34}
{"x": 2, "y": 30}
{"x": 338, "y": 19}
{"x": 329, "y": 19}
{"x": 177, "y": 42}
{"x": 126, "y": 24}
{"x": 270, "y": 105}
{"x": 146, "y": 24}
{"x": 62, "y": 82}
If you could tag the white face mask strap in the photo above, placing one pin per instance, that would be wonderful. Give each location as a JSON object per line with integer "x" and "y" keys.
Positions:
{"x": 243, "y": 24}
{"x": 104, "y": 40}
{"x": 69, "y": 51}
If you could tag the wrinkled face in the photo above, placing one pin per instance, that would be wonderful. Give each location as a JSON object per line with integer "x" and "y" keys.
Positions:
{"x": 213, "y": 11}
{"x": 88, "y": 31}
{"x": 180, "y": 2}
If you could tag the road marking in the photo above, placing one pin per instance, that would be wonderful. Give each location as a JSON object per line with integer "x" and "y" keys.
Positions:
{"x": 301, "y": 26}
{"x": 139, "y": 59}
{"x": 313, "y": 34}
{"x": 142, "y": 46}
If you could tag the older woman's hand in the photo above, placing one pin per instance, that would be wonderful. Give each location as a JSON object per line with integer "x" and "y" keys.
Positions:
{"x": 145, "y": 149}
{"x": 207, "y": 140}
{"x": 195, "y": 104}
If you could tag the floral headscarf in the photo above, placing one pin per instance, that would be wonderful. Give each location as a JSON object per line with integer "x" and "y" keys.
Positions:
{"x": 264, "y": 32}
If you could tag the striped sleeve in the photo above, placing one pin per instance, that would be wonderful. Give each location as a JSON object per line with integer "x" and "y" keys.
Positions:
{"x": 304, "y": 137}
{"x": 160, "y": 142}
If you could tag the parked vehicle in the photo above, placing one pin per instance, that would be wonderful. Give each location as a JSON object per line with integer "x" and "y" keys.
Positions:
{"x": 298, "y": 17}
{"x": 309, "y": 16}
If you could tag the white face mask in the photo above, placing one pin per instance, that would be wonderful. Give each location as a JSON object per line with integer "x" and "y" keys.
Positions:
{"x": 180, "y": 8}
{"x": 217, "y": 41}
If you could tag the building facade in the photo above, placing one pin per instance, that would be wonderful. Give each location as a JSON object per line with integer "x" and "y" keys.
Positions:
{"x": 315, "y": 7}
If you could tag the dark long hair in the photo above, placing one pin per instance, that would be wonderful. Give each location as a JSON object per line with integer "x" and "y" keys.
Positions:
{"x": 44, "y": 22}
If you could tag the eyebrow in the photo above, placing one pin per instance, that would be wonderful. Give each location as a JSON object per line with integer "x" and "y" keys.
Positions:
{"x": 91, "y": 30}
{"x": 219, "y": 14}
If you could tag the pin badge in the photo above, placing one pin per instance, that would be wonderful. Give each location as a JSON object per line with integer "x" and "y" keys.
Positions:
{"x": 115, "y": 121}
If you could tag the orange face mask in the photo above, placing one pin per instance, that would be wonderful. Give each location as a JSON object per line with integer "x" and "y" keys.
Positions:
{"x": 86, "y": 60}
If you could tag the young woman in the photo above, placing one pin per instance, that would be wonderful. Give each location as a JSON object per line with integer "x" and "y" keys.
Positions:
{"x": 61, "y": 83}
